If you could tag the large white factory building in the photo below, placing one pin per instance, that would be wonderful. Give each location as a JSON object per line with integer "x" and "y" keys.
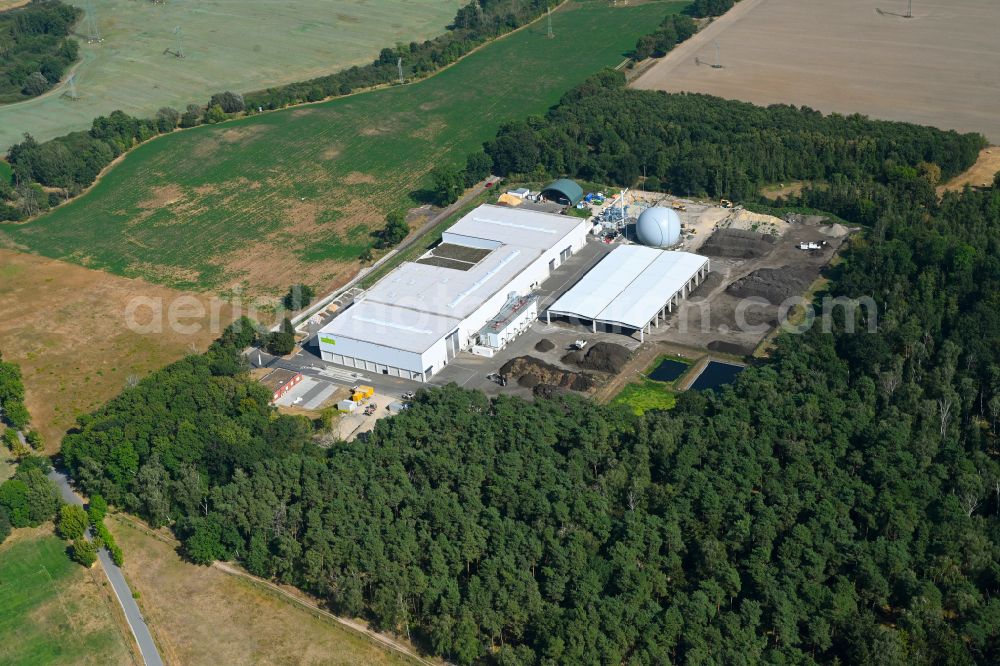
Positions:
{"x": 475, "y": 288}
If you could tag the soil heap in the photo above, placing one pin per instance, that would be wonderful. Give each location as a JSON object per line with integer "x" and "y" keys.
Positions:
{"x": 601, "y": 357}
{"x": 530, "y": 372}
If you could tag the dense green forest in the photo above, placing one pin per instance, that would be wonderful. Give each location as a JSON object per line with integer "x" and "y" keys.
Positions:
{"x": 838, "y": 504}
{"x": 35, "y": 48}
{"x": 693, "y": 144}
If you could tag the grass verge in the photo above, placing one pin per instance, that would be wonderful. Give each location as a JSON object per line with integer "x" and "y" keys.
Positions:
{"x": 647, "y": 394}
{"x": 201, "y": 615}
{"x": 51, "y": 609}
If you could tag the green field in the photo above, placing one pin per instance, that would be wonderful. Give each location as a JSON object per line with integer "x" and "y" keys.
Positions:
{"x": 295, "y": 193}
{"x": 51, "y": 612}
{"x": 647, "y": 394}
{"x": 227, "y": 44}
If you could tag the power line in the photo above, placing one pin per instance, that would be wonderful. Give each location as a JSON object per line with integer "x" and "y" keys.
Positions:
{"x": 93, "y": 34}
{"x": 70, "y": 91}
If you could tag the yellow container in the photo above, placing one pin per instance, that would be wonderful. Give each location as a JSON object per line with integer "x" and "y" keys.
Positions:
{"x": 366, "y": 391}
{"x": 358, "y": 397}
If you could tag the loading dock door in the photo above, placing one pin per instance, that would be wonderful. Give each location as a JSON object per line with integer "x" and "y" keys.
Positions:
{"x": 451, "y": 343}
{"x": 552, "y": 265}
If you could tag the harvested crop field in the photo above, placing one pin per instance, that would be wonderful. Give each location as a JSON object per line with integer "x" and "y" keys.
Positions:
{"x": 66, "y": 327}
{"x": 259, "y": 199}
{"x": 940, "y": 68}
{"x": 227, "y": 45}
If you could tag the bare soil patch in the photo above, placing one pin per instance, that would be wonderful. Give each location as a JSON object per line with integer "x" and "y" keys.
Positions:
{"x": 738, "y": 244}
{"x": 66, "y": 326}
{"x": 331, "y": 153}
{"x": 242, "y": 133}
{"x": 980, "y": 174}
{"x": 939, "y": 68}
{"x": 731, "y": 348}
{"x": 358, "y": 178}
{"x": 773, "y": 284}
{"x": 163, "y": 195}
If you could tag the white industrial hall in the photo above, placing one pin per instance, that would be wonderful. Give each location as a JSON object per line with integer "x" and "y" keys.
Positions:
{"x": 473, "y": 291}
{"x": 632, "y": 287}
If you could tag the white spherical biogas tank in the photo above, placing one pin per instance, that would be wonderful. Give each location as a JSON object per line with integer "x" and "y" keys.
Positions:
{"x": 658, "y": 227}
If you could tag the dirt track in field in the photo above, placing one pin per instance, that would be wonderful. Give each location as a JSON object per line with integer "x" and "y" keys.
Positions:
{"x": 939, "y": 68}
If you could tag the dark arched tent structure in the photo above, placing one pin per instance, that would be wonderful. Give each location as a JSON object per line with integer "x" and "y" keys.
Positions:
{"x": 563, "y": 191}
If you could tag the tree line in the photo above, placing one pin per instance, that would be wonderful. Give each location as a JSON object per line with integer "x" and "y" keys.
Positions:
{"x": 839, "y": 503}
{"x": 474, "y": 24}
{"x": 709, "y": 8}
{"x": 35, "y": 48}
{"x": 12, "y": 410}
{"x": 674, "y": 29}
{"x": 693, "y": 144}
{"x": 72, "y": 162}
{"x": 28, "y": 498}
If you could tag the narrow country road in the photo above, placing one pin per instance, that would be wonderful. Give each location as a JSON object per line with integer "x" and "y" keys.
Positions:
{"x": 150, "y": 655}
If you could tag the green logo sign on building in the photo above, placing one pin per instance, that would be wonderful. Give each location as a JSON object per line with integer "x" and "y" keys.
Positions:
{"x": 329, "y": 341}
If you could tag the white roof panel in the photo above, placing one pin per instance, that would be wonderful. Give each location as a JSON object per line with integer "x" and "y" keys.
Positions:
{"x": 629, "y": 286}
{"x": 390, "y": 326}
{"x": 516, "y": 226}
{"x": 450, "y": 292}
{"x": 417, "y": 304}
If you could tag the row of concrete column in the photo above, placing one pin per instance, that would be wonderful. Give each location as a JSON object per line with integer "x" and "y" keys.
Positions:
{"x": 674, "y": 300}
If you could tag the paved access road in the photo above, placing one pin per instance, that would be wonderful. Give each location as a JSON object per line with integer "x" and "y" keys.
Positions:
{"x": 150, "y": 655}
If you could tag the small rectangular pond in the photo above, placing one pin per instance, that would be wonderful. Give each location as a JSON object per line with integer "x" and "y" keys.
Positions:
{"x": 668, "y": 370}
{"x": 716, "y": 374}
